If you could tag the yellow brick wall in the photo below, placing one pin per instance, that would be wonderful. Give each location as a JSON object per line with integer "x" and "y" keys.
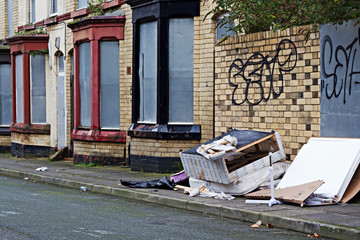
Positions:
{"x": 5, "y": 140}
{"x": 30, "y": 139}
{"x": 295, "y": 114}
{"x": 125, "y": 48}
{"x": 160, "y": 148}
{"x": 99, "y": 149}
{"x": 204, "y": 42}
{"x": 71, "y": 5}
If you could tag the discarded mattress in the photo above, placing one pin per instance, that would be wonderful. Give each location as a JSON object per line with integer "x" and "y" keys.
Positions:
{"x": 251, "y": 154}
{"x": 244, "y": 184}
{"x": 332, "y": 160}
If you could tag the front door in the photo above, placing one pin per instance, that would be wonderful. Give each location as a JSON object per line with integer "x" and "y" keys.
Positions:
{"x": 61, "y": 106}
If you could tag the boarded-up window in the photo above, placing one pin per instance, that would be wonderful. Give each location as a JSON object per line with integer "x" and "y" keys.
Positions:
{"x": 181, "y": 45}
{"x": 148, "y": 72}
{"x": 19, "y": 89}
{"x": 5, "y": 95}
{"x": 109, "y": 85}
{"x": 38, "y": 89}
{"x": 85, "y": 84}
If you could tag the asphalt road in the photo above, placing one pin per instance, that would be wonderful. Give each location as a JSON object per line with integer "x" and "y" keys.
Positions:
{"x": 39, "y": 211}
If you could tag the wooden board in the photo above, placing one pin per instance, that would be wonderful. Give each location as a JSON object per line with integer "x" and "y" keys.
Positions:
{"x": 353, "y": 188}
{"x": 296, "y": 194}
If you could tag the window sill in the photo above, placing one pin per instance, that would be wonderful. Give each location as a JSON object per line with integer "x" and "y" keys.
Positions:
{"x": 30, "y": 128}
{"x": 118, "y": 136}
{"x": 164, "y": 131}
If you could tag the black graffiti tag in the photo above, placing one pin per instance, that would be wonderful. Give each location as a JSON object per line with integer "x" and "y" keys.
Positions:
{"x": 341, "y": 65}
{"x": 259, "y": 68}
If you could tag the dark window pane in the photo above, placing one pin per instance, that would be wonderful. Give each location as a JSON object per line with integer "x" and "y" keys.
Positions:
{"x": 5, "y": 95}
{"x": 19, "y": 89}
{"x": 85, "y": 84}
{"x": 181, "y": 45}
{"x": 38, "y": 89}
{"x": 109, "y": 85}
{"x": 148, "y": 71}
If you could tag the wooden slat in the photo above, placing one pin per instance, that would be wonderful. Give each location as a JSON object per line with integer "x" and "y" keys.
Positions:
{"x": 256, "y": 142}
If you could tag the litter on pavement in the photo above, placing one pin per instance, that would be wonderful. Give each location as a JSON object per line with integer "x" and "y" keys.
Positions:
{"x": 162, "y": 183}
{"x": 42, "y": 169}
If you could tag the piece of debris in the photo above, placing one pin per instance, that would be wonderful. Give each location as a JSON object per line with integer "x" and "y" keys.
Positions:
{"x": 83, "y": 189}
{"x": 180, "y": 178}
{"x": 203, "y": 191}
{"x": 315, "y": 235}
{"x": 296, "y": 194}
{"x": 251, "y": 155}
{"x": 219, "y": 147}
{"x": 269, "y": 225}
{"x": 255, "y": 226}
{"x": 162, "y": 183}
{"x": 26, "y": 178}
{"x": 41, "y": 169}
{"x": 59, "y": 170}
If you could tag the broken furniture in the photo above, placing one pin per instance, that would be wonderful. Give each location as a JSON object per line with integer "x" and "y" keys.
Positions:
{"x": 251, "y": 155}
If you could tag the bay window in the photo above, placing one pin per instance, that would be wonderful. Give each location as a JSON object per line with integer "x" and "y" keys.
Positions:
{"x": 97, "y": 79}
{"x": 163, "y": 82}
{"x": 28, "y": 63}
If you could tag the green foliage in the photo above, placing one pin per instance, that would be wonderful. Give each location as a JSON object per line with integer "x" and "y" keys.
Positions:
{"x": 86, "y": 165}
{"x": 37, "y": 31}
{"x": 262, "y": 15}
{"x": 95, "y": 7}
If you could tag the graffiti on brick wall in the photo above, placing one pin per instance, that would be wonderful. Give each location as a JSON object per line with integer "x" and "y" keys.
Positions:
{"x": 339, "y": 67}
{"x": 257, "y": 74}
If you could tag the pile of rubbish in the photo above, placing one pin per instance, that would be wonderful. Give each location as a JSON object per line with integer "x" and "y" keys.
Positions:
{"x": 251, "y": 163}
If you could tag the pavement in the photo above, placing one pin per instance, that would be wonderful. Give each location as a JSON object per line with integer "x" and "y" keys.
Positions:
{"x": 332, "y": 221}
